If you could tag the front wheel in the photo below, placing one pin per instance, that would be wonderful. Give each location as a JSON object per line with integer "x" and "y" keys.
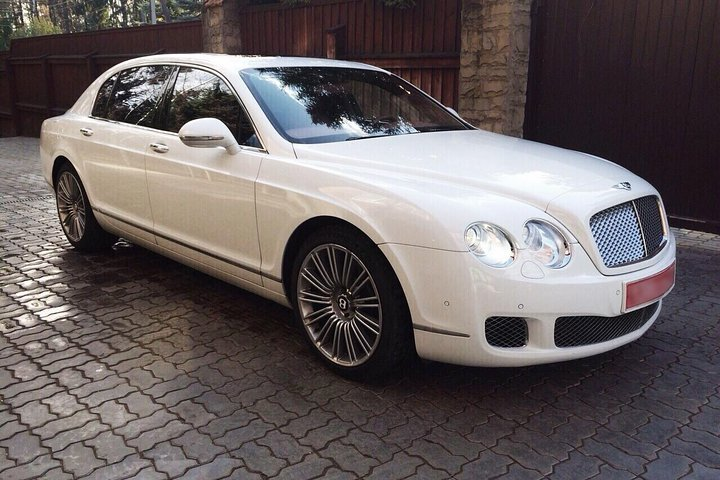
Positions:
{"x": 75, "y": 214}
{"x": 350, "y": 304}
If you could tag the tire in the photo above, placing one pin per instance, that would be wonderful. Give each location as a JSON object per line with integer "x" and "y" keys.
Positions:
{"x": 76, "y": 216}
{"x": 350, "y": 305}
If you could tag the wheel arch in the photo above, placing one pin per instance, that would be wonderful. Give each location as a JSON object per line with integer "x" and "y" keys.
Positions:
{"x": 59, "y": 161}
{"x": 305, "y": 229}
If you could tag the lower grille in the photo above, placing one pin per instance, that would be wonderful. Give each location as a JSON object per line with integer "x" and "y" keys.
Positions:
{"x": 578, "y": 331}
{"x": 506, "y": 332}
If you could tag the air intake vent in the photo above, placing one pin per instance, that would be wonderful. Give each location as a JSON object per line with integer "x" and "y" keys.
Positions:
{"x": 578, "y": 331}
{"x": 506, "y": 332}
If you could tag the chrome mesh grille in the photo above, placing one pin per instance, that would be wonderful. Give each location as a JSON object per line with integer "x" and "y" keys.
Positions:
{"x": 506, "y": 332}
{"x": 628, "y": 232}
{"x": 578, "y": 331}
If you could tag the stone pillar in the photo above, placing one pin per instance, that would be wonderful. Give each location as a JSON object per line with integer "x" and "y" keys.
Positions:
{"x": 494, "y": 56}
{"x": 221, "y": 30}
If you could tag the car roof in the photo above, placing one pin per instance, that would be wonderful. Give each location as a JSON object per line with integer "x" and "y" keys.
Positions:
{"x": 240, "y": 62}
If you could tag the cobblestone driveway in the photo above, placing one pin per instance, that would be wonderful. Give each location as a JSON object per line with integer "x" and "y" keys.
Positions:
{"x": 124, "y": 364}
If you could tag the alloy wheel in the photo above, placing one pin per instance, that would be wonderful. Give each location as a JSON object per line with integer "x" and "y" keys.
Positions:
{"x": 339, "y": 305}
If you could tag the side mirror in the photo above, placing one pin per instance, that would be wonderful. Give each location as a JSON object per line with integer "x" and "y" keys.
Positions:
{"x": 208, "y": 133}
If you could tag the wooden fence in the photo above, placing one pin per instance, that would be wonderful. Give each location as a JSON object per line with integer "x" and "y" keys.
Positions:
{"x": 421, "y": 44}
{"x": 43, "y": 76}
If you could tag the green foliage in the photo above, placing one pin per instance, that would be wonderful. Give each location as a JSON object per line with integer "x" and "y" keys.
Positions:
{"x": 35, "y": 28}
{"x": 6, "y": 29}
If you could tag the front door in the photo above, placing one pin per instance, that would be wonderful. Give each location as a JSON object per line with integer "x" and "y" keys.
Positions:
{"x": 203, "y": 200}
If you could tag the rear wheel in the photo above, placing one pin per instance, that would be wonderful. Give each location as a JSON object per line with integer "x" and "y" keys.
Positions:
{"x": 75, "y": 214}
{"x": 350, "y": 304}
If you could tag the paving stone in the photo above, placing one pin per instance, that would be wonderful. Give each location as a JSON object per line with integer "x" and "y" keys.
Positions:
{"x": 577, "y": 466}
{"x": 110, "y": 447}
{"x": 62, "y": 404}
{"x": 312, "y": 466}
{"x": 401, "y": 466}
{"x": 146, "y": 440}
{"x": 221, "y": 425}
{"x": 615, "y": 457}
{"x": 149, "y": 473}
{"x": 272, "y": 413}
{"x": 259, "y": 459}
{"x": 197, "y": 446}
{"x": 189, "y": 392}
{"x": 169, "y": 459}
{"x": 35, "y": 469}
{"x": 221, "y": 467}
{"x": 34, "y": 414}
{"x": 136, "y": 427}
{"x": 67, "y": 437}
{"x": 78, "y": 459}
{"x": 701, "y": 472}
{"x": 667, "y": 466}
{"x": 348, "y": 458}
{"x": 320, "y": 437}
{"x": 113, "y": 414}
{"x": 235, "y": 438}
{"x": 436, "y": 456}
{"x": 116, "y": 471}
{"x": 488, "y": 465}
{"x": 284, "y": 446}
{"x": 140, "y": 404}
{"x": 193, "y": 413}
{"x": 71, "y": 422}
{"x": 23, "y": 447}
{"x": 695, "y": 451}
{"x": 139, "y": 378}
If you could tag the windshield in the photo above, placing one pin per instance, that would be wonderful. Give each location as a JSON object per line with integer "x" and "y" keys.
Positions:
{"x": 329, "y": 104}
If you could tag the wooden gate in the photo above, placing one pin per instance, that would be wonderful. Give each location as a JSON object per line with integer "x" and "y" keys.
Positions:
{"x": 420, "y": 44}
{"x": 636, "y": 82}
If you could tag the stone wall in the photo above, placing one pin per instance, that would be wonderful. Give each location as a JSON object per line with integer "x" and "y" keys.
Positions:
{"x": 494, "y": 56}
{"x": 221, "y": 33}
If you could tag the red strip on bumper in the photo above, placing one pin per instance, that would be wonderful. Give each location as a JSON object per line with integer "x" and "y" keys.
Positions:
{"x": 648, "y": 289}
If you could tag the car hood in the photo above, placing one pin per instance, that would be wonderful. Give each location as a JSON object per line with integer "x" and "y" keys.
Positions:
{"x": 534, "y": 173}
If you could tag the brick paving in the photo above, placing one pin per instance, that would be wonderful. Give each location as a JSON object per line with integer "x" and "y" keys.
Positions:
{"x": 127, "y": 365}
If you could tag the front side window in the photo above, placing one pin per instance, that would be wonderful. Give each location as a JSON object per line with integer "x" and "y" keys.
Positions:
{"x": 101, "y": 101}
{"x": 201, "y": 94}
{"x": 137, "y": 94}
{"x": 329, "y": 104}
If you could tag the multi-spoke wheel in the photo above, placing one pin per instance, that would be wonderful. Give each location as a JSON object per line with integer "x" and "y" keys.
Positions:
{"x": 76, "y": 216}
{"x": 350, "y": 304}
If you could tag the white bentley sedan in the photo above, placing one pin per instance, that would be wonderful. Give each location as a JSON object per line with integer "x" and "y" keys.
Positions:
{"x": 389, "y": 225}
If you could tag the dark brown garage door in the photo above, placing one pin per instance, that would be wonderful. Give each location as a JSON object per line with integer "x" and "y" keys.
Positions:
{"x": 637, "y": 82}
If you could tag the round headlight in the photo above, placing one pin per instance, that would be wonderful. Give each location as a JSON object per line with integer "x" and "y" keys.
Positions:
{"x": 546, "y": 244}
{"x": 489, "y": 244}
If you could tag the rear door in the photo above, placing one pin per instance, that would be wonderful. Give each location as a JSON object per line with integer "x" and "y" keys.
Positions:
{"x": 116, "y": 139}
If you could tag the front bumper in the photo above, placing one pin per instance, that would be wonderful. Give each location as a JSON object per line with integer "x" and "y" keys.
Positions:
{"x": 451, "y": 294}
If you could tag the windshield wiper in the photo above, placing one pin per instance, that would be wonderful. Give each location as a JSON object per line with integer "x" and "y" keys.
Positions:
{"x": 371, "y": 136}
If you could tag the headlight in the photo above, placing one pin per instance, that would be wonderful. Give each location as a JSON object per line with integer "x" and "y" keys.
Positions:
{"x": 546, "y": 244}
{"x": 489, "y": 244}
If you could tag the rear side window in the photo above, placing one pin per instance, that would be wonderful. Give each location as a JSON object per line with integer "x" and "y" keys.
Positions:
{"x": 137, "y": 94}
{"x": 101, "y": 101}
{"x": 201, "y": 94}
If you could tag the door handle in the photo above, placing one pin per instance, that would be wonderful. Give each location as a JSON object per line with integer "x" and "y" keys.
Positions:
{"x": 159, "y": 147}
{"x": 87, "y": 132}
